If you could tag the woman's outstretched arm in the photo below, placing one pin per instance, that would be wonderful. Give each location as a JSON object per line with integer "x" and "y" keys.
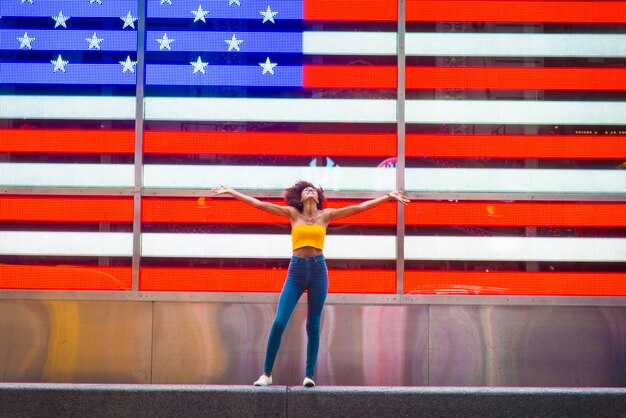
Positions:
{"x": 266, "y": 206}
{"x": 368, "y": 204}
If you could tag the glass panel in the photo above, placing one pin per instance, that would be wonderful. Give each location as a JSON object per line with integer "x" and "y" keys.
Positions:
{"x": 65, "y": 242}
{"x": 508, "y": 98}
{"x": 257, "y": 98}
{"x": 67, "y": 109}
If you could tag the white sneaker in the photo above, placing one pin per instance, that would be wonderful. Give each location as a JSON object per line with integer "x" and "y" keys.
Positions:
{"x": 263, "y": 381}
{"x": 308, "y": 382}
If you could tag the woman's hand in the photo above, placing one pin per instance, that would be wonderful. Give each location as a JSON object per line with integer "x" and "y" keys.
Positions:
{"x": 399, "y": 197}
{"x": 221, "y": 190}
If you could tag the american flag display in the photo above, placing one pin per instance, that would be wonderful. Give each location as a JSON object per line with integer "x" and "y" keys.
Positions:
{"x": 511, "y": 117}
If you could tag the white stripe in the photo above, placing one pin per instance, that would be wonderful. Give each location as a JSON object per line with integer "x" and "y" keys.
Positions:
{"x": 509, "y": 180}
{"x": 349, "y": 43}
{"x": 66, "y": 175}
{"x": 466, "y": 44}
{"x": 262, "y": 246}
{"x": 274, "y": 110}
{"x": 515, "y": 249}
{"x": 427, "y": 180}
{"x": 377, "y": 111}
{"x": 268, "y": 177}
{"x": 383, "y": 247}
{"x": 515, "y": 44}
{"x": 516, "y": 112}
{"x": 317, "y": 110}
{"x": 110, "y": 244}
{"x": 67, "y": 107}
{"x": 115, "y": 244}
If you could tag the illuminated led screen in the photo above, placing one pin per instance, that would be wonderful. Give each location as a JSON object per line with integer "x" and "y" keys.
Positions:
{"x": 507, "y": 129}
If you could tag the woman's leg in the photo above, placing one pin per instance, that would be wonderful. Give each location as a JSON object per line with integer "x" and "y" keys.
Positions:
{"x": 288, "y": 299}
{"x": 316, "y": 298}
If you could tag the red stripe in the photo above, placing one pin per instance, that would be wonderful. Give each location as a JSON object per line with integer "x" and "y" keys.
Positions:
{"x": 65, "y": 277}
{"x": 516, "y": 11}
{"x": 560, "y": 11}
{"x": 516, "y": 214}
{"x": 258, "y": 280}
{"x": 270, "y": 143}
{"x": 309, "y": 144}
{"x": 67, "y": 141}
{"x": 613, "y": 79}
{"x": 225, "y": 143}
{"x": 515, "y": 283}
{"x": 66, "y": 209}
{"x": 343, "y": 281}
{"x": 351, "y": 10}
{"x": 384, "y": 145}
{"x": 349, "y": 77}
{"x": 229, "y": 211}
{"x": 517, "y": 146}
{"x": 493, "y": 78}
{"x": 418, "y": 213}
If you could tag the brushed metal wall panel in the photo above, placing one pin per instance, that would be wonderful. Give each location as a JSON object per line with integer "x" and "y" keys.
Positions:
{"x": 374, "y": 346}
{"x": 209, "y": 343}
{"x": 371, "y": 345}
{"x": 527, "y": 346}
{"x": 201, "y": 343}
{"x": 75, "y": 341}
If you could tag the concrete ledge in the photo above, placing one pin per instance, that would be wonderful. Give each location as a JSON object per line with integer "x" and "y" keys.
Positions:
{"x": 455, "y": 402}
{"x": 77, "y": 400}
{"x": 101, "y": 400}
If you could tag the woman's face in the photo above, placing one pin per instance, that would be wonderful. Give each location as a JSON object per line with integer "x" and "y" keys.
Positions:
{"x": 309, "y": 193}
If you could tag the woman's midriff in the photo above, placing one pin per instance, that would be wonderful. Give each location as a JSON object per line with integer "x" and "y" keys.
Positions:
{"x": 307, "y": 252}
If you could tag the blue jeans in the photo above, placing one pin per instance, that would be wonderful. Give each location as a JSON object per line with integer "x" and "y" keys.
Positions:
{"x": 305, "y": 273}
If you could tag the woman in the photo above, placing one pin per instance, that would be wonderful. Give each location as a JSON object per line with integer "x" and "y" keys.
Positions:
{"x": 307, "y": 269}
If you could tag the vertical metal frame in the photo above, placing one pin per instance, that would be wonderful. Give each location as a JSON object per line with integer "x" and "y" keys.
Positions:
{"x": 401, "y": 134}
{"x": 138, "y": 186}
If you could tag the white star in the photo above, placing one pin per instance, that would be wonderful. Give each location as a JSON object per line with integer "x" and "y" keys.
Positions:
{"x": 198, "y": 66}
{"x": 60, "y": 20}
{"x": 59, "y": 64}
{"x": 129, "y": 20}
{"x": 268, "y": 15}
{"x": 231, "y": 2}
{"x": 166, "y": 2}
{"x": 233, "y": 43}
{"x": 95, "y": 1}
{"x": 268, "y": 67}
{"x": 94, "y": 41}
{"x": 30, "y": 1}
{"x": 128, "y": 65}
{"x": 25, "y": 41}
{"x": 199, "y": 14}
{"x": 165, "y": 42}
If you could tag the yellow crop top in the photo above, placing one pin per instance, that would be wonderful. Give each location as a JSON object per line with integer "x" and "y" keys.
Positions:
{"x": 308, "y": 236}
